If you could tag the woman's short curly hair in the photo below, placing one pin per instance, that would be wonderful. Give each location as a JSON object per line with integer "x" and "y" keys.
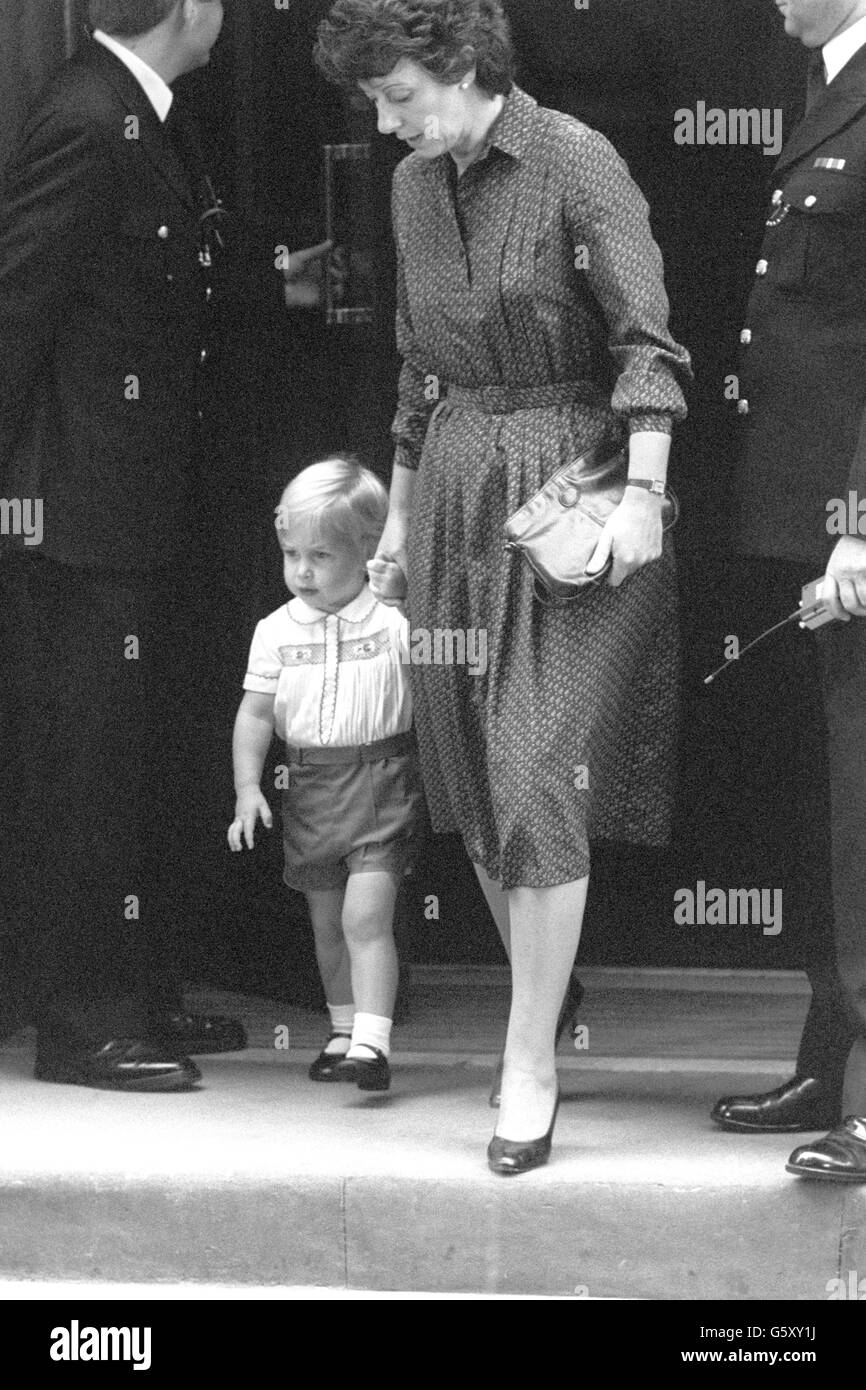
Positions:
{"x": 361, "y": 39}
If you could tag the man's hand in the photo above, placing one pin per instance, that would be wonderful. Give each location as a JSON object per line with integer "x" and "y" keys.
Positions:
{"x": 847, "y": 568}
{"x": 303, "y": 275}
{"x": 249, "y": 806}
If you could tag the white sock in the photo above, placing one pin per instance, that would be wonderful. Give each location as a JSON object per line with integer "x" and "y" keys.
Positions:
{"x": 369, "y": 1031}
{"x": 342, "y": 1018}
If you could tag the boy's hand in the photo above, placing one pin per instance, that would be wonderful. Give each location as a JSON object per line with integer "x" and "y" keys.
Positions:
{"x": 250, "y": 804}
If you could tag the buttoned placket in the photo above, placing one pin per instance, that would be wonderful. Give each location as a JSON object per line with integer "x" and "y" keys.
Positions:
{"x": 328, "y": 702}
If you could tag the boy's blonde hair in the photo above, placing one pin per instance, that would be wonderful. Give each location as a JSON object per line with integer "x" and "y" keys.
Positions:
{"x": 337, "y": 498}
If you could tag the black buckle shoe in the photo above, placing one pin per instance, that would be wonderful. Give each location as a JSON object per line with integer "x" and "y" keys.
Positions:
{"x": 839, "y": 1157}
{"x": 122, "y": 1064}
{"x": 369, "y": 1073}
{"x": 195, "y": 1033}
{"x": 802, "y": 1103}
{"x": 327, "y": 1065}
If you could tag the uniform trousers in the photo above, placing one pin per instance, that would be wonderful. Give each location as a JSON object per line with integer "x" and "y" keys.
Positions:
{"x": 97, "y": 771}
{"x": 834, "y": 1035}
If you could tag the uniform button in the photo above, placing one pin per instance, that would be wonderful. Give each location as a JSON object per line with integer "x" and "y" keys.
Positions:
{"x": 810, "y": 201}
{"x": 746, "y": 337}
{"x": 761, "y": 267}
{"x": 777, "y": 197}
{"x": 162, "y": 232}
{"x": 169, "y": 276}
{"x": 743, "y": 407}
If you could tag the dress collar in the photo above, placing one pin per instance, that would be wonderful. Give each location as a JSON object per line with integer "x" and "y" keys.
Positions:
{"x": 512, "y": 132}
{"x": 356, "y": 611}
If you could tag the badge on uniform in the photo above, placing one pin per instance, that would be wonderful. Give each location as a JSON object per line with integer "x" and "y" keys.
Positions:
{"x": 829, "y": 164}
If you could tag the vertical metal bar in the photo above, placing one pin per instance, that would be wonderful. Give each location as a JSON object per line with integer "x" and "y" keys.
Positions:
{"x": 69, "y": 8}
{"x": 329, "y": 231}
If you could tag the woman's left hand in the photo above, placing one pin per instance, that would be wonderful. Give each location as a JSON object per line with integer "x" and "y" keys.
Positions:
{"x": 632, "y": 536}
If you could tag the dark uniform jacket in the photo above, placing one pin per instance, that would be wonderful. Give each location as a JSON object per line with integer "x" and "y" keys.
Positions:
{"x": 803, "y": 375}
{"x": 101, "y": 322}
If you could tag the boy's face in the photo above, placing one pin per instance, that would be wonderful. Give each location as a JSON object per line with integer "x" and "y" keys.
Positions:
{"x": 325, "y": 572}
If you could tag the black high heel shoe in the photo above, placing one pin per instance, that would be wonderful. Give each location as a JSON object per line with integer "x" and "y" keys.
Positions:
{"x": 570, "y": 1004}
{"x": 511, "y": 1156}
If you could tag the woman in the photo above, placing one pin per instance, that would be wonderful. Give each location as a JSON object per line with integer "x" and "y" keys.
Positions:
{"x": 532, "y": 322}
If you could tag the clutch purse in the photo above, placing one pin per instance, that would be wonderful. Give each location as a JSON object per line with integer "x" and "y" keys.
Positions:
{"x": 558, "y": 529}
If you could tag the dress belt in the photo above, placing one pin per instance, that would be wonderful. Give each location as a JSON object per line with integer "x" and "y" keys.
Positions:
{"x": 502, "y": 400}
{"x": 391, "y": 747}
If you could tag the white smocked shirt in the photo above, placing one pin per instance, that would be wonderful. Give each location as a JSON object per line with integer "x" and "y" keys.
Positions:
{"x": 339, "y": 679}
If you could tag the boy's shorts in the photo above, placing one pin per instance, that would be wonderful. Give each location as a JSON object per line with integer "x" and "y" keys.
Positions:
{"x": 350, "y": 811}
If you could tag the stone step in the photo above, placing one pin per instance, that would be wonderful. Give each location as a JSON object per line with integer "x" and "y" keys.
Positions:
{"x": 263, "y": 1178}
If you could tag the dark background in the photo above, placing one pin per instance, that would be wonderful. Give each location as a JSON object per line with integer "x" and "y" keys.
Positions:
{"x": 291, "y": 389}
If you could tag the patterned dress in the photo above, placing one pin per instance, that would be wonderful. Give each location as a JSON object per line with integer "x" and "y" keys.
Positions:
{"x": 532, "y": 321}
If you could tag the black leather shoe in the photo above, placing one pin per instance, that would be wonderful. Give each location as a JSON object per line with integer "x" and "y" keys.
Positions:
{"x": 370, "y": 1073}
{"x": 802, "y": 1103}
{"x": 326, "y": 1066}
{"x": 567, "y": 1015}
{"x": 511, "y": 1156}
{"x": 839, "y": 1157}
{"x": 200, "y": 1033}
{"x": 122, "y": 1064}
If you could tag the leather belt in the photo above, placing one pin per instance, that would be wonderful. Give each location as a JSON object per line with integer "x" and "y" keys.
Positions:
{"x": 391, "y": 747}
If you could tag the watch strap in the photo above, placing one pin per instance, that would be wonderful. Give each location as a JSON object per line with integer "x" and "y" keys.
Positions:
{"x": 651, "y": 484}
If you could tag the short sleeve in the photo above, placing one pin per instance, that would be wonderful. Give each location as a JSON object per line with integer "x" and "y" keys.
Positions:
{"x": 608, "y": 216}
{"x": 264, "y": 664}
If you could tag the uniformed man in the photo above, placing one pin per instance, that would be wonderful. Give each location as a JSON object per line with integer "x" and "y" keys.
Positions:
{"x": 102, "y": 300}
{"x": 802, "y": 479}
{"x": 108, "y": 233}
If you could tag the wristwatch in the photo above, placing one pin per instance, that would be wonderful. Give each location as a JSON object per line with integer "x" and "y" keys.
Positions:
{"x": 651, "y": 484}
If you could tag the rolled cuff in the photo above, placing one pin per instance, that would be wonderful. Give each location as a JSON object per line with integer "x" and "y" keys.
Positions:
{"x": 406, "y": 457}
{"x": 263, "y": 685}
{"x": 650, "y": 424}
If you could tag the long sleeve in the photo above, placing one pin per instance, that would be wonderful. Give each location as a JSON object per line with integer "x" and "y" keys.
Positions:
{"x": 607, "y": 215}
{"x": 418, "y": 388}
{"x": 56, "y": 200}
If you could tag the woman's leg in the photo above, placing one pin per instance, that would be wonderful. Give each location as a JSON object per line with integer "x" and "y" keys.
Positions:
{"x": 497, "y": 901}
{"x": 368, "y": 925}
{"x": 545, "y": 931}
{"x": 326, "y": 914}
